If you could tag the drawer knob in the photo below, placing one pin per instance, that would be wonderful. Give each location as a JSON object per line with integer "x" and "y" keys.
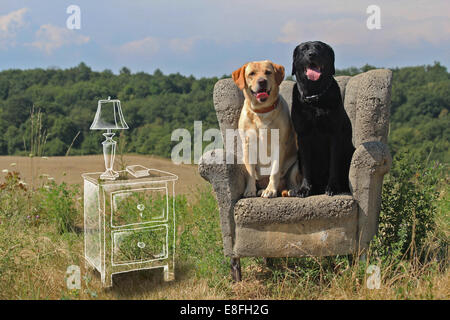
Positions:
{"x": 141, "y": 245}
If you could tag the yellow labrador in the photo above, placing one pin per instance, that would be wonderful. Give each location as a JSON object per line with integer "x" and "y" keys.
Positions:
{"x": 264, "y": 109}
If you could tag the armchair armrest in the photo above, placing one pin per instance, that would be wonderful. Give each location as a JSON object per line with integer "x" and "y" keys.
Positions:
{"x": 228, "y": 181}
{"x": 370, "y": 162}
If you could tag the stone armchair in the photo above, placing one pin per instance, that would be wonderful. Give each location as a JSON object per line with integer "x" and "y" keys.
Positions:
{"x": 317, "y": 225}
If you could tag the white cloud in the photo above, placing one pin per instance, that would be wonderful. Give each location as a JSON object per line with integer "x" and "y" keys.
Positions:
{"x": 9, "y": 26}
{"x": 395, "y": 30}
{"x": 147, "y": 46}
{"x": 338, "y": 31}
{"x": 150, "y": 46}
{"x": 179, "y": 45}
{"x": 50, "y": 37}
{"x": 434, "y": 30}
{"x": 405, "y": 22}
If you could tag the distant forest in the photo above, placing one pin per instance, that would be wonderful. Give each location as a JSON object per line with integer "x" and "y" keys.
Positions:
{"x": 155, "y": 104}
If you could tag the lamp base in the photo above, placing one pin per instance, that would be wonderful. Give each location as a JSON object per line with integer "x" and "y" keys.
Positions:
{"x": 109, "y": 175}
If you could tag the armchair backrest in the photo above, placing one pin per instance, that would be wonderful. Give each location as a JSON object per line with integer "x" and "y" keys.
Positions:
{"x": 366, "y": 96}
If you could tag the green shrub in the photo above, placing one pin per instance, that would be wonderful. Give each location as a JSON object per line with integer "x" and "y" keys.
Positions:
{"x": 408, "y": 207}
{"x": 58, "y": 205}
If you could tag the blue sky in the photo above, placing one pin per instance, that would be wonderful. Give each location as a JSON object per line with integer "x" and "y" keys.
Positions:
{"x": 212, "y": 38}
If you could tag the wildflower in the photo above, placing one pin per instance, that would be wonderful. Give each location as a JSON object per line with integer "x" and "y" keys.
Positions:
{"x": 37, "y": 216}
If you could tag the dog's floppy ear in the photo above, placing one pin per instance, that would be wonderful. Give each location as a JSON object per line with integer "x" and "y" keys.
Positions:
{"x": 331, "y": 54}
{"x": 294, "y": 56}
{"x": 278, "y": 72}
{"x": 333, "y": 71}
{"x": 239, "y": 77}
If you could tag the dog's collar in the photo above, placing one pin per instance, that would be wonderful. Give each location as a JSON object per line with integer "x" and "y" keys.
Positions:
{"x": 314, "y": 98}
{"x": 266, "y": 109}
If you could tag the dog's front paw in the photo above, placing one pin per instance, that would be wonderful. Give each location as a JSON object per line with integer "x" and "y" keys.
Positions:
{"x": 269, "y": 193}
{"x": 293, "y": 192}
{"x": 305, "y": 190}
{"x": 331, "y": 189}
{"x": 250, "y": 191}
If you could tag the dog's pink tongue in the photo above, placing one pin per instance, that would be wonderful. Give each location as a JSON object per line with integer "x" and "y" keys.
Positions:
{"x": 313, "y": 74}
{"x": 262, "y": 95}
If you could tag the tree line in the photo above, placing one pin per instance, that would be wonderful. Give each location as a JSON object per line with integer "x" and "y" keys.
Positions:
{"x": 156, "y": 104}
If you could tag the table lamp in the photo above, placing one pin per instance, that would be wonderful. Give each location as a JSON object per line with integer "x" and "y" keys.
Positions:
{"x": 109, "y": 117}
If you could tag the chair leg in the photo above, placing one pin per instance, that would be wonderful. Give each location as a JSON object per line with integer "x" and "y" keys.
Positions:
{"x": 350, "y": 258}
{"x": 236, "y": 269}
{"x": 268, "y": 262}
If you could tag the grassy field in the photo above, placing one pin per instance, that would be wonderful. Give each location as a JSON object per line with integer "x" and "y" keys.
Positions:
{"x": 36, "y": 249}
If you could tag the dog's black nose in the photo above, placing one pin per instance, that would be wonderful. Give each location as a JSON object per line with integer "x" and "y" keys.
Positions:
{"x": 262, "y": 82}
{"x": 311, "y": 54}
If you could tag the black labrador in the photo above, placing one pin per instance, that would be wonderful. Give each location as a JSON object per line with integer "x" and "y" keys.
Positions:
{"x": 324, "y": 131}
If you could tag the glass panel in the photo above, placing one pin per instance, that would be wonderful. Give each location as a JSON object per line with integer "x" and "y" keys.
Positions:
{"x": 92, "y": 230}
{"x": 139, "y": 206}
{"x": 140, "y": 245}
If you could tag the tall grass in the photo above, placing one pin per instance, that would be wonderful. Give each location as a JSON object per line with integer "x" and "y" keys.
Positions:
{"x": 71, "y": 144}
{"x": 38, "y": 134}
{"x": 37, "y": 140}
{"x": 40, "y": 237}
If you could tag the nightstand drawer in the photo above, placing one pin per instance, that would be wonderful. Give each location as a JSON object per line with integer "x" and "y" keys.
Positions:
{"x": 135, "y": 206}
{"x": 139, "y": 245}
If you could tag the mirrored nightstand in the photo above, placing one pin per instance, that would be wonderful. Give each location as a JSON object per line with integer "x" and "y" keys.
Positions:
{"x": 129, "y": 223}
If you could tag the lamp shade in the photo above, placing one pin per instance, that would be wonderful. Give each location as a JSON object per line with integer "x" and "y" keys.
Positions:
{"x": 109, "y": 116}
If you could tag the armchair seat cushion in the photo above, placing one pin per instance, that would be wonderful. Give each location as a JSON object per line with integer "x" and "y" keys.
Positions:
{"x": 293, "y": 227}
{"x": 261, "y": 211}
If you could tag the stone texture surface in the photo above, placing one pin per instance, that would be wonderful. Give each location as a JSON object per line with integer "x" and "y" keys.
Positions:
{"x": 371, "y": 96}
{"x": 292, "y": 227}
{"x": 320, "y": 237}
{"x": 286, "y": 88}
{"x": 351, "y": 93}
{"x": 228, "y": 102}
{"x": 370, "y": 162}
{"x": 260, "y": 211}
{"x": 228, "y": 181}
{"x": 316, "y": 225}
{"x": 342, "y": 83}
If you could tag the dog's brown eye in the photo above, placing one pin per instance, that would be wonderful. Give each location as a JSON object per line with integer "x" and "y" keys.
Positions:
{"x": 268, "y": 72}
{"x": 252, "y": 73}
